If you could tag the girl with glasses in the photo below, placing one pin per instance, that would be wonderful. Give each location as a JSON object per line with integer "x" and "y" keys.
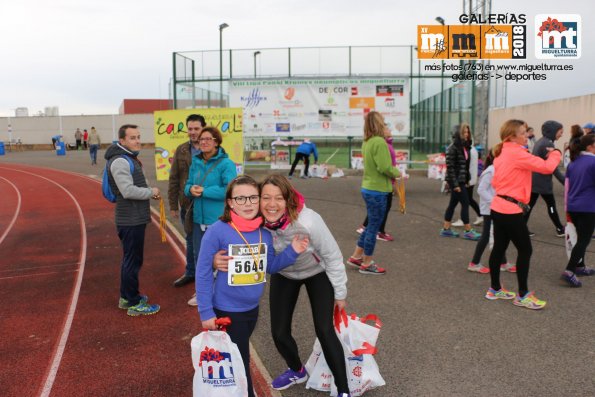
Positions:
{"x": 235, "y": 292}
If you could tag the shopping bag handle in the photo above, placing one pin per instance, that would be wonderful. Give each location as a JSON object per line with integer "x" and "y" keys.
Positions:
{"x": 365, "y": 349}
{"x": 222, "y": 323}
{"x": 340, "y": 316}
{"x": 372, "y": 317}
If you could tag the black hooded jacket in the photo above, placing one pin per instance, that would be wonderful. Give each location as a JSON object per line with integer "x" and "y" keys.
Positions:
{"x": 542, "y": 184}
{"x": 457, "y": 174}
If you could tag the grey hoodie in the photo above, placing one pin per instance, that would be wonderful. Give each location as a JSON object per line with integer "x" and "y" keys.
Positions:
{"x": 542, "y": 184}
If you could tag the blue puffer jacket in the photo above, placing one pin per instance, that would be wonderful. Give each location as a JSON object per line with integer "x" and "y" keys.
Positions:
{"x": 209, "y": 207}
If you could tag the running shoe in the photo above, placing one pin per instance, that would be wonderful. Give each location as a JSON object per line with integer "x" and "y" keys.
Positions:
{"x": 502, "y": 293}
{"x": 143, "y": 309}
{"x": 360, "y": 229}
{"x": 458, "y": 223}
{"x": 584, "y": 271}
{"x": 571, "y": 279}
{"x": 448, "y": 233}
{"x": 471, "y": 235}
{"x": 508, "y": 267}
{"x": 124, "y": 304}
{"x": 478, "y": 221}
{"x": 479, "y": 268}
{"x": 529, "y": 301}
{"x": 289, "y": 378}
{"x": 344, "y": 395}
{"x": 192, "y": 301}
{"x": 357, "y": 262}
{"x": 385, "y": 237}
{"x": 372, "y": 269}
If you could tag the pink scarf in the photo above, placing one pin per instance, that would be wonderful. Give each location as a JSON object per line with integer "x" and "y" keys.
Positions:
{"x": 245, "y": 225}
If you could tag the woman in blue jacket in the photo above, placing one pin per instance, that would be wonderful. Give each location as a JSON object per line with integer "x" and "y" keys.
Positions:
{"x": 210, "y": 173}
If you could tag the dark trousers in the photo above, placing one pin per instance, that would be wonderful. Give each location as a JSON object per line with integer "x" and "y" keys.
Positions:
{"x": 298, "y": 157}
{"x": 550, "y": 201}
{"x": 284, "y": 294}
{"x": 585, "y": 225}
{"x": 389, "y": 203}
{"x": 507, "y": 228}
{"x": 484, "y": 240}
{"x": 78, "y": 143}
{"x": 472, "y": 203}
{"x": 133, "y": 245}
{"x": 190, "y": 259}
{"x": 240, "y": 330}
{"x": 455, "y": 198}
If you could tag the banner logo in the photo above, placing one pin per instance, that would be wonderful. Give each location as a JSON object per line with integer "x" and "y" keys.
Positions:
{"x": 558, "y": 36}
{"x": 253, "y": 99}
{"x": 216, "y": 368}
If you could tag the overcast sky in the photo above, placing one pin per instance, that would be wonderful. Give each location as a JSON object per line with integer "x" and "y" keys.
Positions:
{"x": 85, "y": 56}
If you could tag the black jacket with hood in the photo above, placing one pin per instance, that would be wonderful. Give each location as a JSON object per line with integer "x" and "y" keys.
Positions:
{"x": 457, "y": 174}
{"x": 542, "y": 184}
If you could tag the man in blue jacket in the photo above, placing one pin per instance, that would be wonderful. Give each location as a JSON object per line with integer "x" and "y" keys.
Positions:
{"x": 303, "y": 152}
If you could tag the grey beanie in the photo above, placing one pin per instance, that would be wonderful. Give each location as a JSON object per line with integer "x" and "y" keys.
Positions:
{"x": 549, "y": 129}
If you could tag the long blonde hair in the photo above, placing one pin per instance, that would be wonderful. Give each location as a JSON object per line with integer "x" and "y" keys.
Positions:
{"x": 508, "y": 131}
{"x": 373, "y": 125}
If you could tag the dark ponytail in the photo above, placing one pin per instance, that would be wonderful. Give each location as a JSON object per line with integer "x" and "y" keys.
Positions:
{"x": 579, "y": 145}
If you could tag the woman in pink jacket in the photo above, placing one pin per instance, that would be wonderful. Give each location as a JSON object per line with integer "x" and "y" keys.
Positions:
{"x": 512, "y": 181}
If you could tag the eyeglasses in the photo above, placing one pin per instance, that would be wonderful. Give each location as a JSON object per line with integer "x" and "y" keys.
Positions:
{"x": 208, "y": 139}
{"x": 241, "y": 200}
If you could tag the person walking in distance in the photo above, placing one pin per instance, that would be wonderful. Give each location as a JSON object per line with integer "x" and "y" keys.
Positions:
{"x": 580, "y": 205}
{"x": 94, "y": 144}
{"x": 303, "y": 152}
{"x": 85, "y": 139}
{"x": 179, "y": 204}
{"x": 542, "y": 184}
{"x": 513, "y": 165}
{"x": 78, "y": 136}
{"x": 132, "y": 215}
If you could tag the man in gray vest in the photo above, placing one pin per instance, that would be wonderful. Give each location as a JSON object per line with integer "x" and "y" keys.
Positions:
{"x": 132, "y": 215}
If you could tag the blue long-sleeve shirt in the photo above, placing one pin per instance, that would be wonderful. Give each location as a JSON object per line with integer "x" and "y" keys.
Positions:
{"x": 580, "y": 177}
{"x": 308, "y": 148}
{"x": 215, "y": 292}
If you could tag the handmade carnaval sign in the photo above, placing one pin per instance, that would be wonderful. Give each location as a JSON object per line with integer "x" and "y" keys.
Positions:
{"x": 170, "y": 131}
{"x": 248, "y": 266}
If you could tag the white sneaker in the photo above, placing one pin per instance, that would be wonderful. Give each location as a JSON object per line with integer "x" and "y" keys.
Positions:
{"x": 192, "y": 301}
{"x": 478, "y": 221}
{"x": 458, "y": 223}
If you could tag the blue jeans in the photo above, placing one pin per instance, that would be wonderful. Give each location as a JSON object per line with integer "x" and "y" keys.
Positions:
{"x": 189, "y": 244}
{"x": 376, "y": 208}
{"x": 197, "y": 234}
{"x": 93, "y": 153}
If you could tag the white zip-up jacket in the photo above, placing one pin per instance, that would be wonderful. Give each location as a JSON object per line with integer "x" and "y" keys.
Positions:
{"x": 485, "y": 190}
{"x": 322, "y": 255}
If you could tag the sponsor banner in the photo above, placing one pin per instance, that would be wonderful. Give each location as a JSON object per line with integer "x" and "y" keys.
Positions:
{"x": 170, "y": 131}
{"x": 320, "y": 107}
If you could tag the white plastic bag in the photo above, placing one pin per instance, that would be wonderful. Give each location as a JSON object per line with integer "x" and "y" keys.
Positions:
{"x": 570, "y": 237}
{"x": 316, "y": 171}
{"x": 218, "y": 367}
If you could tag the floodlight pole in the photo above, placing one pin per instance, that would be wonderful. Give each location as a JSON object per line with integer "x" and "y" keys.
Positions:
{"x": 221, "y": 27}
{"x": 255, "y": 54}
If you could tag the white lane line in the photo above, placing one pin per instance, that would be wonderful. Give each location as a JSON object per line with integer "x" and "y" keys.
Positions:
{"x": 59, "y": 352}
{"x": 16, "y": 213}
{"x": 37, "y": 274}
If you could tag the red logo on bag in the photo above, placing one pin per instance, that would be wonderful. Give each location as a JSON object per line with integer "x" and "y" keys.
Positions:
{"x": 357, "y": 371}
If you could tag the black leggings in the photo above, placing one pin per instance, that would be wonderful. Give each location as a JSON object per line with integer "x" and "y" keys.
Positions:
{"x": 389, "y": 203}
{"x": 550, "y": 201}
{"x": 298, "y": 157}
{"x": 472, "y": 203}
{"x": 240, "y": 330}
{"x": 484, "y": 240}
{"x": 585, "y": 224}
{"x": 284, "y": 294}
{"x": 507, "y": 228}
{"x": 455, "y": 198}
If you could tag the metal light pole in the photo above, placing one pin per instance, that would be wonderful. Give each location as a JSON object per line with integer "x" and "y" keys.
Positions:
{"x": 255, "y": 54}
{"x": 221, "y": 27}
{"x": 440, "y": 20}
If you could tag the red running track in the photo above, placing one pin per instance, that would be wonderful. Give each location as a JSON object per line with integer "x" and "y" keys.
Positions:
{"x": 61, "y": 331}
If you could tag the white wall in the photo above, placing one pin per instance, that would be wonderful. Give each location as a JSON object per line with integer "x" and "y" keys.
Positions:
{"x": 569, "y": 111}
{"x": 39, "y": 130}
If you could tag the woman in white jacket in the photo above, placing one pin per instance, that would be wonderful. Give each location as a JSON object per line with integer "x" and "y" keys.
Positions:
{"x": 486, "y": 194}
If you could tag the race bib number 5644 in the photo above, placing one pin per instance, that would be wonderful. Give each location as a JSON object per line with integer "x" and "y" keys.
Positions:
{"x": 248, "y": 266}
